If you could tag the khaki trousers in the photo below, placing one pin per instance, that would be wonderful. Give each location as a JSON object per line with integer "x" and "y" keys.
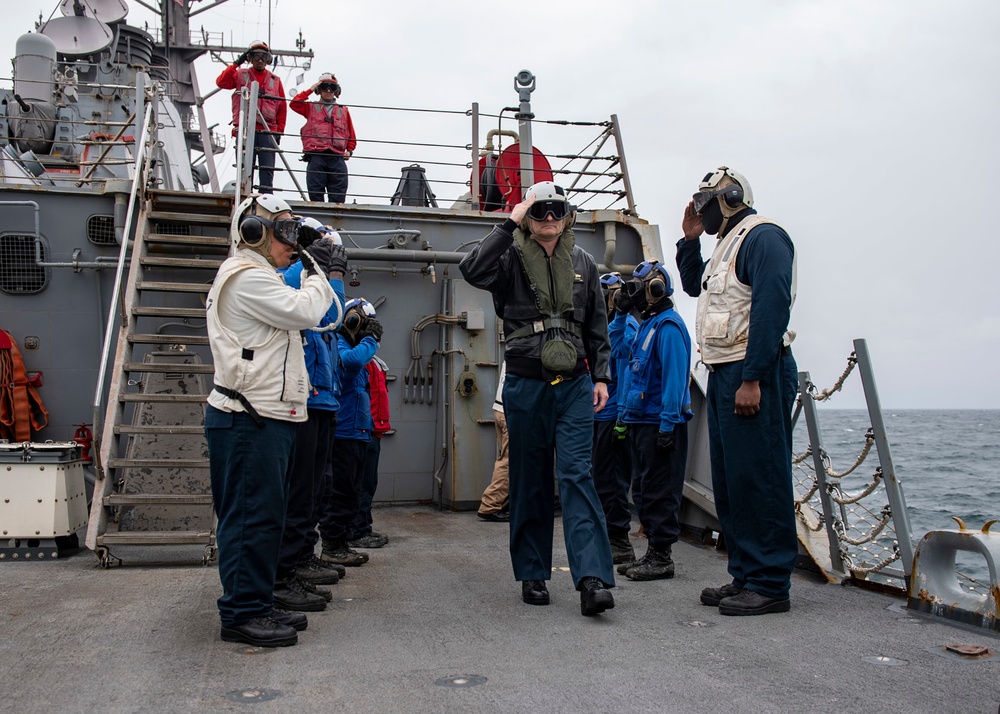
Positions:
{"x": 496, "y": 494}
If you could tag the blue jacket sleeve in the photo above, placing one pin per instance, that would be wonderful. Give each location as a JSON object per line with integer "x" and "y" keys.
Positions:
{"x": 765, "y": 264}
{"x": 674, "y": 377}
{"x": 354, "y": 359}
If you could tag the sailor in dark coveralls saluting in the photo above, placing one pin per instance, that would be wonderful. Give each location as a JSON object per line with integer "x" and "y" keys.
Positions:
{"x": 745, "y": 294}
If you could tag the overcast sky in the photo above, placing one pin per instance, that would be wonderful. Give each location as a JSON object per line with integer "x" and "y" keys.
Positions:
{"x": 867, "y": 129}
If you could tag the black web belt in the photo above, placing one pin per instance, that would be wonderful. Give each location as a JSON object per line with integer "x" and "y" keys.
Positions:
{"x": 233, "y": 394}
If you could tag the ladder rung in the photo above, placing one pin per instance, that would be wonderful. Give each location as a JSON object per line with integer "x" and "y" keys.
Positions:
{"x": 144, "y": 339}
{"x": 158, "y": 499}
{"x": 156, "y": 538}
{"x": 173, "y": 287}
{"x": 204, "y": 219}
{"x": 212, "y": 263}
{"x": 159, "y": 429}
{"x": 168, "y": 311}
{"x": 188, "y": 240}
{"x": 158, "y": 463}
{"x": 163, "y": 398}
{"x": 169, "y": 367}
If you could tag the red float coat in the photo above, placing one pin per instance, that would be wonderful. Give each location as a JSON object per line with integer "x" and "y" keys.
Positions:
{"x": 379, "y": 397}
{"x": 271, "y": 99}
{"x": 328, "y": 126}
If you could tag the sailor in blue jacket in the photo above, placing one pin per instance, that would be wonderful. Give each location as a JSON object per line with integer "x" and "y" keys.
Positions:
{"x": 745, "y": 295}
{"x": 299, "y": 570}
{"x": 357, "y": 343}
{"x": 655, "y": 405}
{"x": 612, "y": 463}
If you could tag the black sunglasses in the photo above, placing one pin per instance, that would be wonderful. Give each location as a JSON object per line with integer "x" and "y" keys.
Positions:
{"x": 328, "y": 87}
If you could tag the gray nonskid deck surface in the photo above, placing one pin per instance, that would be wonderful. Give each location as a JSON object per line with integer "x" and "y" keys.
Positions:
{"x": 441, "y": 601}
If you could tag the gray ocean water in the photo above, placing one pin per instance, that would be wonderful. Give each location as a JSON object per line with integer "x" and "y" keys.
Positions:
{"x": 947, "y": 461}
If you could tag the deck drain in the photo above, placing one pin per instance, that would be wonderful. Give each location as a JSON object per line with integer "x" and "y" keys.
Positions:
{"x": 885, "y": 661}
{"x": 461, "y": 680}
{"x": 697, "y": 623}
{"x": 248, "y": 696}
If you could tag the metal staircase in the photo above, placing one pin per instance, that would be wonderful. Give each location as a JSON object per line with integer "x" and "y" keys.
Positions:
{"x": 152, "y": 486}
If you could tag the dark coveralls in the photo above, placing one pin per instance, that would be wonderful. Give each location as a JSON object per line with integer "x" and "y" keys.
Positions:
{"x": 655, "y": 397}
{"x": 751, "y": 456}
{"x": 612, "y": 466}
{"x": 548, "y": 418}
{"x": 313, "y": 436}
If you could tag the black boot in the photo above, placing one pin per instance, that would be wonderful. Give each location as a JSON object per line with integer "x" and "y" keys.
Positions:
{"x": 594, "y": 597}
{"x": 296, "y": 620}
{"x": 311, "y": 587}
{"x": 338, "y": 552}
{"x": 261, "y": 632}
{"x": 289, "y": 594}
{"x": 534, "y": 592}
{"x": 315, "y": 571}
{"x": 624, "y": 567}
{"x": 713, "y": 596}
{"x": 621, "y": 549}
{"x": 748, "y": 602}
{"x": 657, "y": 566}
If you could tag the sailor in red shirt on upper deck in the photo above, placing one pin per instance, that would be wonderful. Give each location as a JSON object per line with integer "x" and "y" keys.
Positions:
{"x": 328, "y": 139}
{"x": 270, "y": 123}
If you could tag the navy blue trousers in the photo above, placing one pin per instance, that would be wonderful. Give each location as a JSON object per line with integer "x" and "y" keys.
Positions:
{"x": 264, "y": 152}
{"x": 547, "y": 422}
{"x": 347, "y": 467}
{"x": 661, "y": 481}
{"x": 361, "y": 526}
{"x": 323, "y": 488}
{"x": 612, "y": 471}
{"x": 312, "y": 449}
{"x": 326, "y": 175}
{"x": 752, "y": 477}
{"x": 248, "y": 466}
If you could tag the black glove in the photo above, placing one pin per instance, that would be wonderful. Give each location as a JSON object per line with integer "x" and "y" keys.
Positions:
{"x": 372, "y": 328}
{"x": 665, "y": 442}
{"x": 620, "y": 430}
{"x": 320, "y": 251}
{"x": 338, "y": 259}
{"x": 623, "y": 303}
{"x": 242, "y": 58}
{"x": 277, "y": 137}
{"x": 308, "y": 235}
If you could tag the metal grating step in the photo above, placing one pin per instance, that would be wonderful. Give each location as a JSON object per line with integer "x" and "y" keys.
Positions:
{"x": 169, "y": 368}
{"x": 213, "y": 241}
{"x": 117, "y": 463}
{"x": 206, "y": 263}
{"x": 173, "y": 287}
{"x": 146, "y": 311}
{"x": 163, "y": 398}
{"x": 157, "y": 538}
{"x": 201, "y": 219}
{"x": 159, "y": 429}
{"x": 146, "y": 339}
{"x": 158, "y": 499}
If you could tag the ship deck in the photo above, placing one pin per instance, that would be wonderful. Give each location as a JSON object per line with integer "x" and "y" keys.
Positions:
{"x": 438, "y": 606}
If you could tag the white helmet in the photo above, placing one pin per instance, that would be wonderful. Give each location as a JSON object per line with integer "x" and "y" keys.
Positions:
{"x": 268, "y": 205}
{"x": 549, "y": 199}
{"x": 715, "y": 183}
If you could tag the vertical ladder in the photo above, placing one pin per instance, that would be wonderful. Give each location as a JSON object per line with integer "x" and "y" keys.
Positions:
{"x": 153, "y": 485}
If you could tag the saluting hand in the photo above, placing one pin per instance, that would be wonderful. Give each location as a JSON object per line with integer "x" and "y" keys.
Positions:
{"x": 521, "y": 210}
{"x": 691, "y": 224}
